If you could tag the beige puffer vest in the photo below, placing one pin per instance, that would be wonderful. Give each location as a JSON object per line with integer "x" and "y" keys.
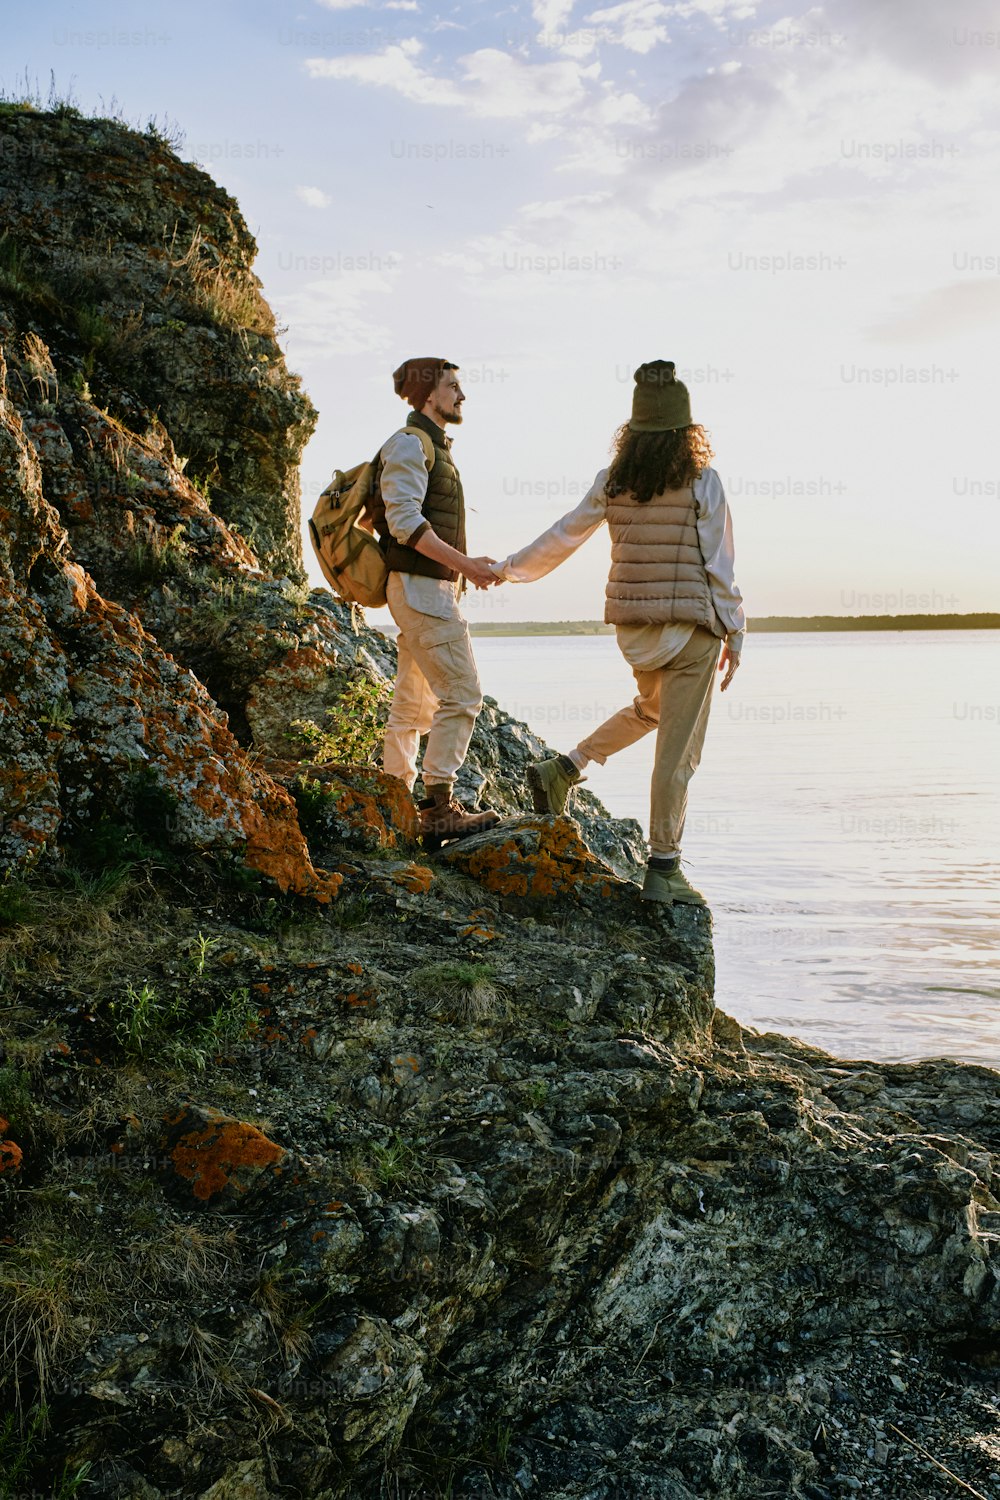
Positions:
{"x": 657, "y": 569}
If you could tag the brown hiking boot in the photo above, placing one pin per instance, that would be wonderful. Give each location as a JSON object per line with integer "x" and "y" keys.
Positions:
{"x": 442, "y": 818}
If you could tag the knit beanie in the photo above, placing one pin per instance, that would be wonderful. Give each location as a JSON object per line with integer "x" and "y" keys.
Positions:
{"x": 660, "y": 402}
{"x": 416, "y": 378}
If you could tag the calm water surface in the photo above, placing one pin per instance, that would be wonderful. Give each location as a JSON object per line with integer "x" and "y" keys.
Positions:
{"x": 844, "y": 825}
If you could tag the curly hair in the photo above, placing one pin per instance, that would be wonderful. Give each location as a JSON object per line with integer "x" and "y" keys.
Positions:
{"x": 645, "y": 464}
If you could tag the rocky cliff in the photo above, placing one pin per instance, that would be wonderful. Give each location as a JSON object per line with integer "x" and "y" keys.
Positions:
{"x": 327, "y": 1169}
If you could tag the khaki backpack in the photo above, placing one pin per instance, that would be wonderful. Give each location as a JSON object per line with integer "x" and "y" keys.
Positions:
{"x": 343, "y": 537}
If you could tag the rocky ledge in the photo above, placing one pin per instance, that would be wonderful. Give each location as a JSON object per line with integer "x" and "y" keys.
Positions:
{"x": 328, "y": 1169}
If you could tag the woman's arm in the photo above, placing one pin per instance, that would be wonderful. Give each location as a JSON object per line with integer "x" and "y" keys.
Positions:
{"x": 715, "y": 534}
{"x": 562, "y": 538}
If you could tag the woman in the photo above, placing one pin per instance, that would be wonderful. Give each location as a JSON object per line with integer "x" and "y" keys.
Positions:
{"x": 672, "y": 598}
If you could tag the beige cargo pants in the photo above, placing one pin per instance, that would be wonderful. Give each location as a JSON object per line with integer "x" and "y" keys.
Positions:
{"x": 437, "y": 693}
{"x": 675, "y": 701}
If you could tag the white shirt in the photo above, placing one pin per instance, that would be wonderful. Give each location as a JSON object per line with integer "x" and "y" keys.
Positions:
{"x": 404, "y": 490}
{"x": 646, "y": 646}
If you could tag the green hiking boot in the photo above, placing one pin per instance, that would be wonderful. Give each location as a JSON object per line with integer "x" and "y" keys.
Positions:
{"x": 550, "y": 783}
{"x": 670, "y": 885}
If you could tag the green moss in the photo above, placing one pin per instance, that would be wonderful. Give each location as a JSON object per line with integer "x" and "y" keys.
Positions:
{"x": 16, "y": 1105}
{"x": 16, "y": 905}
{"x": 315, "y": 801}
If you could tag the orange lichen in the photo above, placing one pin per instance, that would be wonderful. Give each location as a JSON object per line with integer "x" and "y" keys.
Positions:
{"x": 484, "y": 934}
{"x": 541, "y": 858}
{"x": 417, "y": 879}
{"x": 10, "y": 1157}
{"x": 10, "y": 1152}
{"x": 221, "y": 1153}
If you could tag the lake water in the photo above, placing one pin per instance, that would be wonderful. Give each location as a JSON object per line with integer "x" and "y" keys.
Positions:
{"x": 844, "y": 825}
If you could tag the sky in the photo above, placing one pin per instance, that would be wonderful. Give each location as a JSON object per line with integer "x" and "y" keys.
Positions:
{"x": 796, "y": 204}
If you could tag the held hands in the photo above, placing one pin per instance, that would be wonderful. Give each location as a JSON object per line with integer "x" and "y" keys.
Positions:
{"x": 478, "y": 571}
{"x": 728, "y": 661}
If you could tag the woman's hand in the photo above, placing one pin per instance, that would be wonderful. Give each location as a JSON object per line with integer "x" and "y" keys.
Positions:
{"x": 728, "y": 662}
{"x": 479, "y": 570}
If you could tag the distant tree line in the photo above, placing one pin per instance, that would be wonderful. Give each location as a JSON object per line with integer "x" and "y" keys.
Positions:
{"x": 788, "y": 623}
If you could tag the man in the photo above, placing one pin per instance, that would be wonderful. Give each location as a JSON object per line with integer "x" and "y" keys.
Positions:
{"x": 419, "y": 514}
{"x": 672, "y": 598}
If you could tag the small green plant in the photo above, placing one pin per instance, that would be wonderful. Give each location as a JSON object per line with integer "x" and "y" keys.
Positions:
{"x": 203, "y": 486}
{"x": 92, "y": 328}
{"x": 58, "y": 715}
{"x": 352, "y": 911}
{"x": 234, "y": 1019}
{"x": 165, "y": 133}
{"x": 536, "y": 1092}
{"x": 315, "y": 801}
{"x": 141, "y": 1016}
{"x": 387, "y": 1164}
{"x": 148, "y": 1026}
{"x": 355, "y": 725}
{"x": 394, "y": 1162}
{"x": 19, "y": 279}
{"x": 19, "y": 1455}
{"x": 201, "y": 948}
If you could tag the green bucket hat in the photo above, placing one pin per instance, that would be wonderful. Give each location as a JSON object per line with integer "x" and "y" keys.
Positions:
{"x": 660, "y": 402}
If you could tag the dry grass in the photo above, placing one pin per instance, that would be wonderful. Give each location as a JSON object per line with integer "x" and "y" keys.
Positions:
{"x": 461, "y": 992}
{"x": 288, "y": 1317}
{"x": 231, "y": 297}
{"x": 43, "y": 1284}
{"x": 186, "y": 1256}
{"x": 40, "y": 366}
{"x": 82, "y": 931}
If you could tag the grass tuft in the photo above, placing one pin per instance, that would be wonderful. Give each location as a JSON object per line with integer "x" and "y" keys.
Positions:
{"x": 457, "y": 991}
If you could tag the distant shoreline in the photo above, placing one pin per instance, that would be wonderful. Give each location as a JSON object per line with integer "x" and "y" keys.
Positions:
{"x": 785, "y": 623}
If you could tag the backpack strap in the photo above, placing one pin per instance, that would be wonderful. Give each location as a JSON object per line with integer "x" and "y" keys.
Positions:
{"x": 426, "y": 442}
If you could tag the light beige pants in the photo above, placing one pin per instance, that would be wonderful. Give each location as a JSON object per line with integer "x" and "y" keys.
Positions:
{"x": 437, "y": 693}
{"x": 675, "y": 701}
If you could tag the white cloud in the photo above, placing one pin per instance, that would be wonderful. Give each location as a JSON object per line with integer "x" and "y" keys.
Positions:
{"x": 314, "y": 197}
{"x": 939, "y": 41}
{"x": 552, "y": 15}
{"x": 493, "y": 84}
{"x": 335, "y": 315}
{"x": 393, "y": 68}
{"x": 636, "y": 25}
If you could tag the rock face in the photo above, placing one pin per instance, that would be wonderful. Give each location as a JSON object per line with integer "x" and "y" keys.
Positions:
{"x": 150, "y": 655}
{"x": 326, "y": 1168}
